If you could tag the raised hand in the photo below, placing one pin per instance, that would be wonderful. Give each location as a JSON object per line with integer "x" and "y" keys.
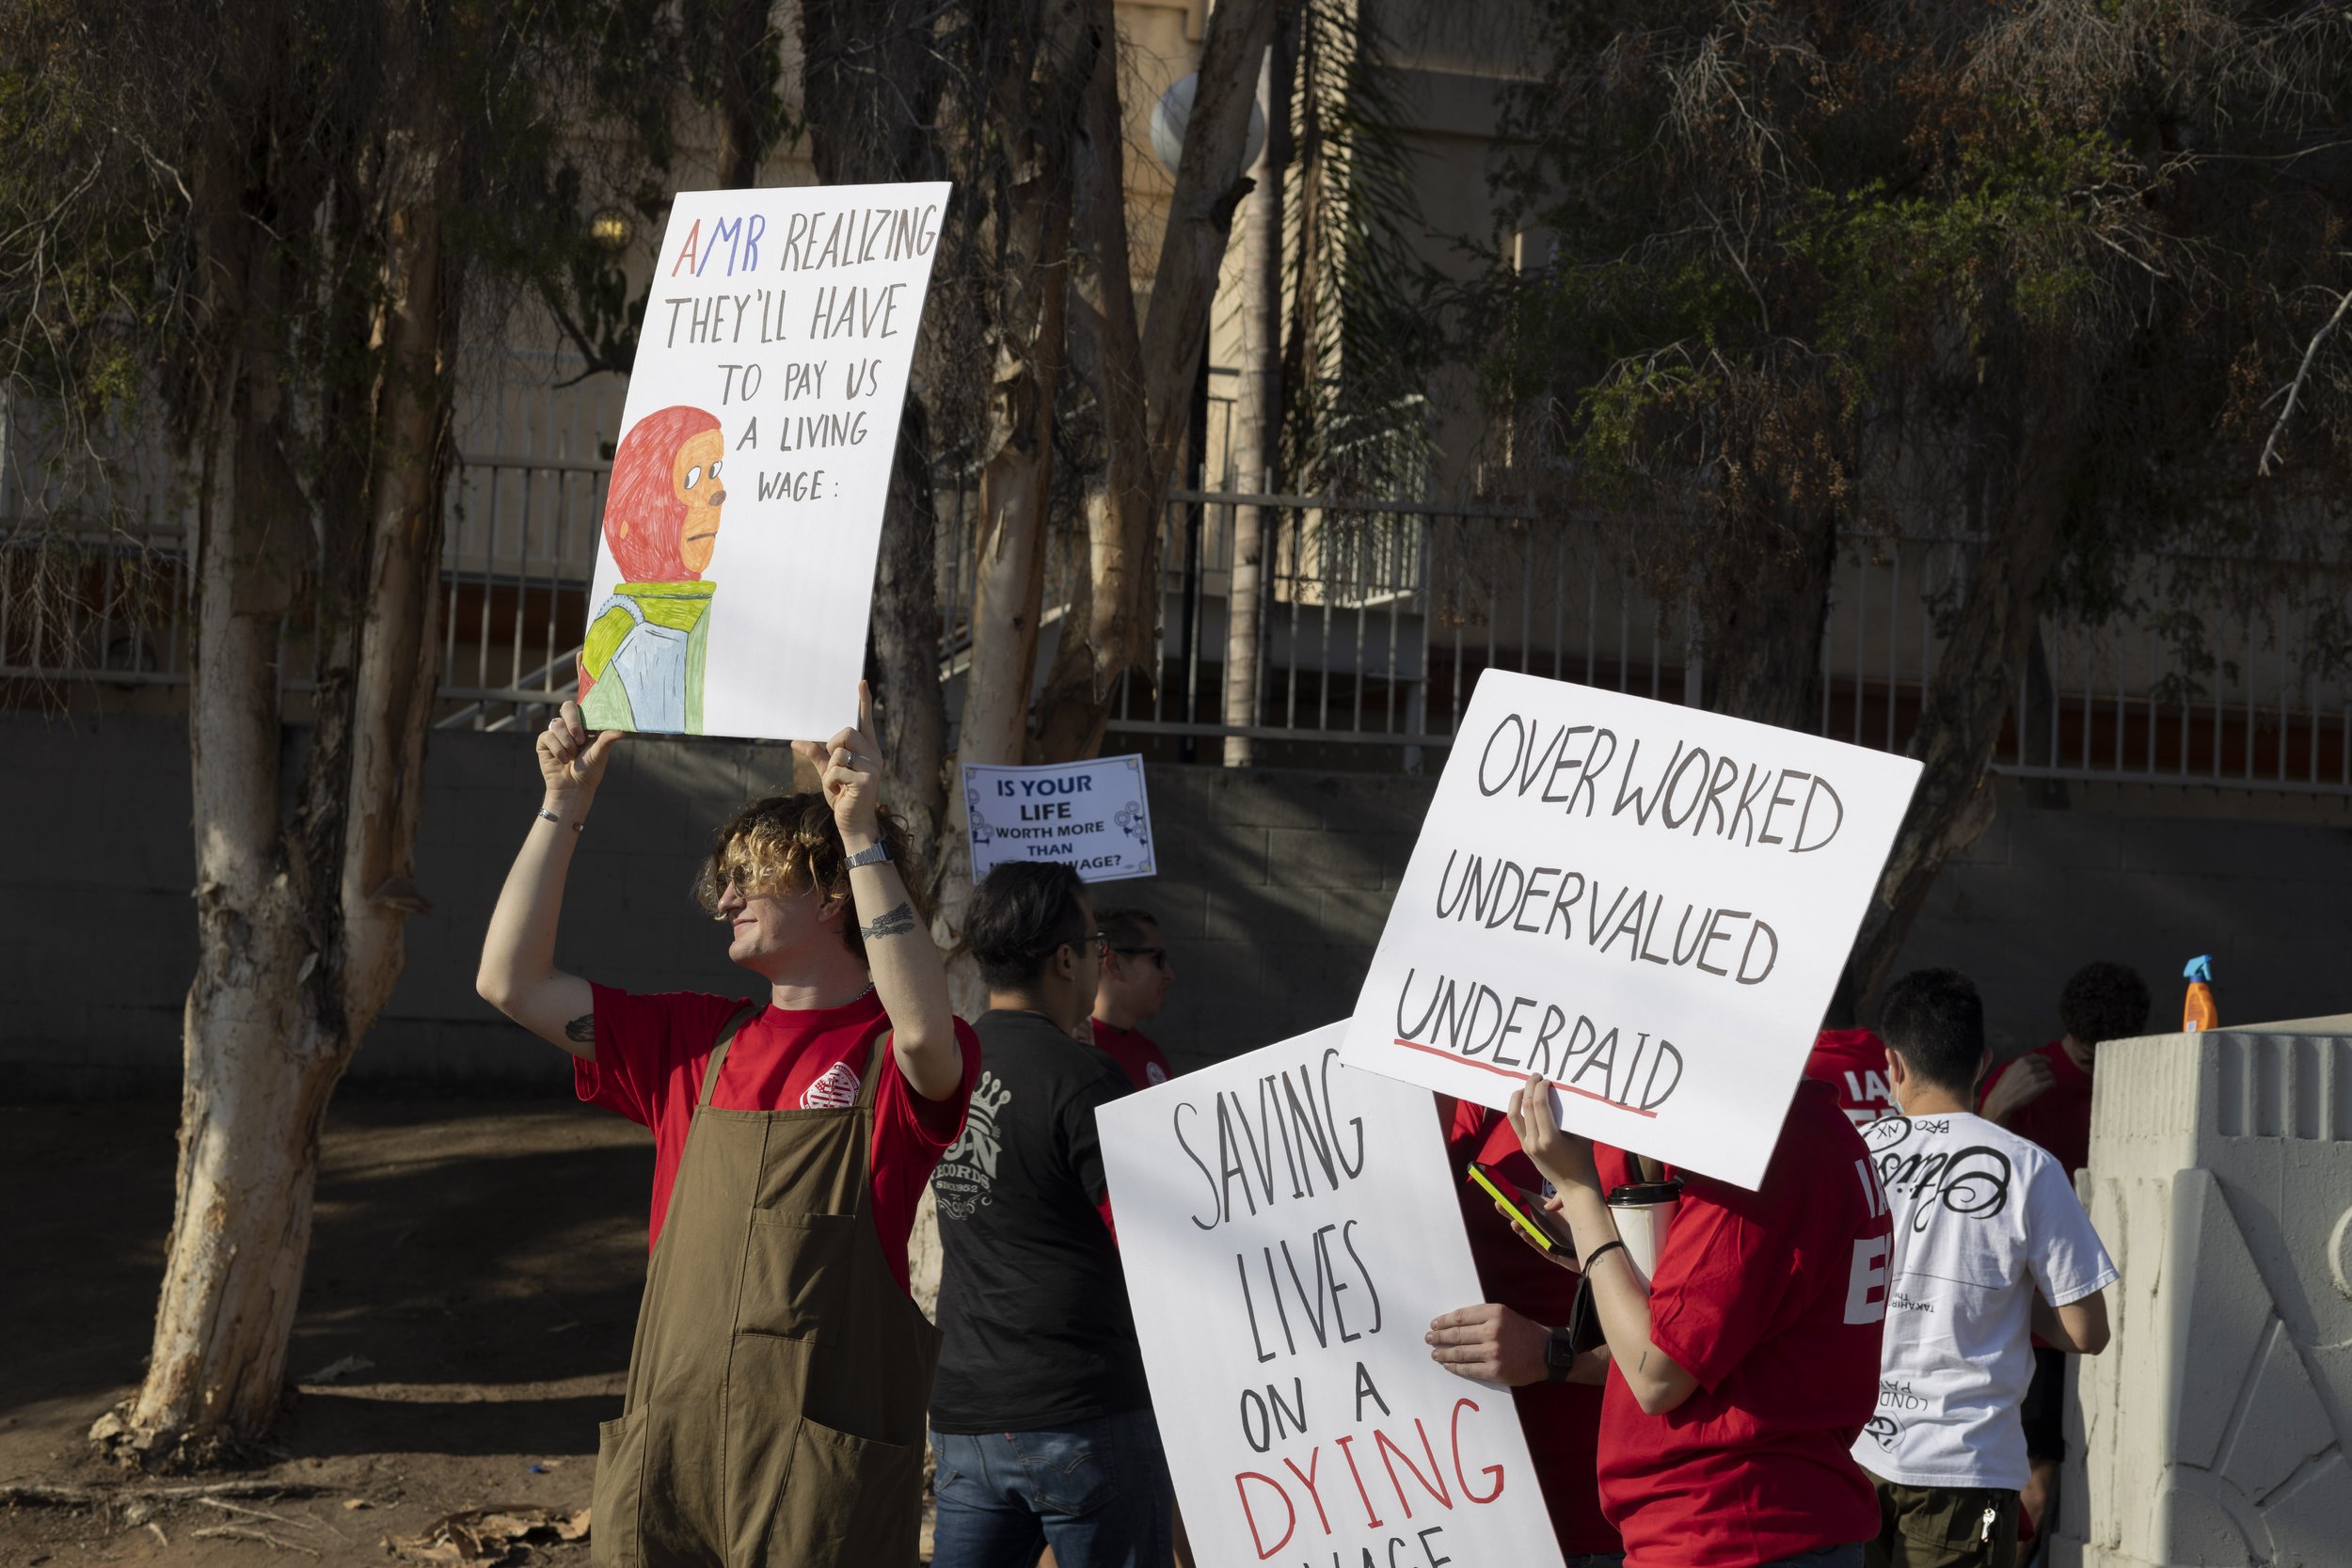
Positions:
{"x": 849, "y": 769}
{"x": 570, "y": 762}
{"x": 1564, "y": 1157}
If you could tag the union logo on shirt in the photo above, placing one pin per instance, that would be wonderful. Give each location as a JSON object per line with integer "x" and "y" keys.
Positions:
{"x": 836, "y": 1091}
{"x": 1154, "y": 1073}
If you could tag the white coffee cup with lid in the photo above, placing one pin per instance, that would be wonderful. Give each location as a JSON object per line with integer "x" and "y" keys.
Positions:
{"x": 1643, "y": 1211}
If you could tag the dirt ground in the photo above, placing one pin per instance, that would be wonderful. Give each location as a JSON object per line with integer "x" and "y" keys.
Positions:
{"x": 484, "y": 1258}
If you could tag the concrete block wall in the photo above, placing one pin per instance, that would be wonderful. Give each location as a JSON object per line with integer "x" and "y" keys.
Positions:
{"x": 2214, "y": 1429}
{"x": 1274, "y": 887}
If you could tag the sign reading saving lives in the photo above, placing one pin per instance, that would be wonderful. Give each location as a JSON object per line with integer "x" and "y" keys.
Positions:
{"x": 1091, "y": 815}
{"x": 1648, "y": 904}
{"x": 1288, "y": 1227}
{"x": 744, "y": 509}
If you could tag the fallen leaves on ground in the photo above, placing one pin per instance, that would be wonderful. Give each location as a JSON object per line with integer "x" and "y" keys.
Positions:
{"x": 498, "y": 1534}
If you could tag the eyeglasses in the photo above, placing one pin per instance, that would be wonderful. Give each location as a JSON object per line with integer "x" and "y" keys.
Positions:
{"x": 1157, "y": 955}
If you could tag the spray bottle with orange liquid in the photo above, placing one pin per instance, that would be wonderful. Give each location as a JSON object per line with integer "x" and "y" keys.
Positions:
{"x": 2198, "y": 1012}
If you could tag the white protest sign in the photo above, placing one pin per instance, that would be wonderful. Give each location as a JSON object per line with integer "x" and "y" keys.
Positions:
{"x": 1093, "y": 814}
{"x": 744, "y": 509}
{"x": 1288, "y": 1227}
{"x": 1648, "y": 904}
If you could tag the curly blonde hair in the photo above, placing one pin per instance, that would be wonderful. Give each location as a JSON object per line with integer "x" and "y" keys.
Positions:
{"x": 790, "y": 844}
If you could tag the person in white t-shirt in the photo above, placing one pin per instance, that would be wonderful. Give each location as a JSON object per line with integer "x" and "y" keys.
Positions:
{"x": 1991, "y": 1248}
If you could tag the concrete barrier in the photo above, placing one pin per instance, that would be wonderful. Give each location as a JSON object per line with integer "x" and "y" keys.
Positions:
{"x": 2213, "y": 1430}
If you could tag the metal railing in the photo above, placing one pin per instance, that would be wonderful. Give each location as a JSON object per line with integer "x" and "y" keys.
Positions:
{"x": 1376, "y": 617}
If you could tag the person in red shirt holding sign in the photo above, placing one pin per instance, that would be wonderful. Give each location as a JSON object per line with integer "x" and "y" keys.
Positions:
{"x": 1741, "y": 1378}
{"x": 1130, "y": 993}
{"x": 792, "y": 1137}
{"x": 1506, "y": 1339}
{"x": 2045, "y": 1096}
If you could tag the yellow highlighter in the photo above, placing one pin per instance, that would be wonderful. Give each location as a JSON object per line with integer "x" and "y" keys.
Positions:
{"x": 1499, "y": 1187}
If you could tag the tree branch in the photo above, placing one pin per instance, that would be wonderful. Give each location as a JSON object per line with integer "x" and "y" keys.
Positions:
{"x": 2302, "y": 372}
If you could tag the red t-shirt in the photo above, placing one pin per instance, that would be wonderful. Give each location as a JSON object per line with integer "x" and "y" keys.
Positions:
{"x": 1773, "y": 1301}
{"x": 1135, "y": 1052}
{"x": 652, "y": 1050}
{"x": 1853, "y": 1062}
{"x": 1562, "y": 1420}
{"x": 2059, "y": 1120}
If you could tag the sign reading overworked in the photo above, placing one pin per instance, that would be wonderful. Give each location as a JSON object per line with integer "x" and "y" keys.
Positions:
{"x": 1648, "y": 905}
{"x": 1289, "y": 1228}
{"x": 1093, "y": 814}
{"x": 744, "y": 510}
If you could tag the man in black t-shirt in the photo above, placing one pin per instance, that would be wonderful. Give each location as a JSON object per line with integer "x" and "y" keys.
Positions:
{"x": 1040, "y": 1415}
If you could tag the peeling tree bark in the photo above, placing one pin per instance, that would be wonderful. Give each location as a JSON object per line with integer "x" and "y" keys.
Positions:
{"x": 300, "y": 913}
{"x": 1107, "y": 629}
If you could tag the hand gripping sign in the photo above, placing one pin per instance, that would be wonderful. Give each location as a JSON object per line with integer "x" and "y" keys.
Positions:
{"x": 1649, "y": 904}
{"x": 744, "y": 510}
{"x": 1288, "y": 1227}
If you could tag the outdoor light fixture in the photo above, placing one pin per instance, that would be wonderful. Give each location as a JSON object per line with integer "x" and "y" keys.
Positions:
{"x": 612, "y": 228}
{"x": 1173, "y": 112}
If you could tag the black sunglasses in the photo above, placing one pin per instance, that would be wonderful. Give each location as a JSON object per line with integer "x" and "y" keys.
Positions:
{"x": 1157, "y": 955}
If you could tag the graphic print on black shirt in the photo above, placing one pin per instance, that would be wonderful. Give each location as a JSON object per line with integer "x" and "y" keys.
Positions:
{"x": 968, "y": 1169}
{"x": 1035, "y": 1329}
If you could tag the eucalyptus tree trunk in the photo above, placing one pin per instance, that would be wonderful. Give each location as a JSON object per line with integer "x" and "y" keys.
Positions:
{"x": 1143, "y": 382}
{"x": 859, "y": 136}
{"x": 300, "y": 913}
{"x": 1763, "y": 620}
{"x": 746, "y": 96}
{"x": 1257, "y": 416}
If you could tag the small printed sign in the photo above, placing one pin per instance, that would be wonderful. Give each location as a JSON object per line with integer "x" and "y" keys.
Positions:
{"x": 1093, "y": 814}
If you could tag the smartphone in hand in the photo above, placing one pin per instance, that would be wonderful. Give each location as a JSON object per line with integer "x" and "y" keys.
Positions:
{"x": 1514, "y": 1203}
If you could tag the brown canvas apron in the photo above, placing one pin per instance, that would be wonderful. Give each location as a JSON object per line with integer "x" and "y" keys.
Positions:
{"x": 778, "y": 1383}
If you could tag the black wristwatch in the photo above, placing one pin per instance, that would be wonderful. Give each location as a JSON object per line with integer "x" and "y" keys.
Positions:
{"x": 1558, "y": 1356}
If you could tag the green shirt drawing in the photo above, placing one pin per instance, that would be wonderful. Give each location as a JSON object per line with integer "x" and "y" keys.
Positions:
{"x": 646, "y": 649}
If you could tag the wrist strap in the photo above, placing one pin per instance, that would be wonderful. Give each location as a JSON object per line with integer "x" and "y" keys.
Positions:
{"x": 1559, "y": 1355}
{"x": 1600, "y": 1252}
{"x": 872, "y": 854}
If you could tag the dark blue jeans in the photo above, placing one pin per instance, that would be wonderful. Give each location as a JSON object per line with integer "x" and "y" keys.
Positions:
{"x": 1097, "y": 1492}
{"x": 1823, "y": 1557}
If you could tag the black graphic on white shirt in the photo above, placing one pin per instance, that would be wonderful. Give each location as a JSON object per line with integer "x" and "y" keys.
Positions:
{"x": 1972, "y": 1182}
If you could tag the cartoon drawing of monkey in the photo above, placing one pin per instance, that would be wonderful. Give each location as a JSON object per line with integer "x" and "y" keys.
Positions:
{"x": 640, "y": 664}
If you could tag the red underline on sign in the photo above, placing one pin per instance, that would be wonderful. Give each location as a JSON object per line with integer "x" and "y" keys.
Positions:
{"x": 1506, "y": 1072}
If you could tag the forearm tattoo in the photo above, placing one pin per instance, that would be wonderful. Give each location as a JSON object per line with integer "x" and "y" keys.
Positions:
{"x": 582, "y": 1030}
{"x": 890, "y": 923}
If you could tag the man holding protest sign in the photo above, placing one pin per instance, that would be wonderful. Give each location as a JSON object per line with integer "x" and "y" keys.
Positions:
{"x": 1136, "y": 974}
{"x": 1041, "y": 1420}
{"x": 792, "y": 1138}
{"x": 1743, "y": 1369}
